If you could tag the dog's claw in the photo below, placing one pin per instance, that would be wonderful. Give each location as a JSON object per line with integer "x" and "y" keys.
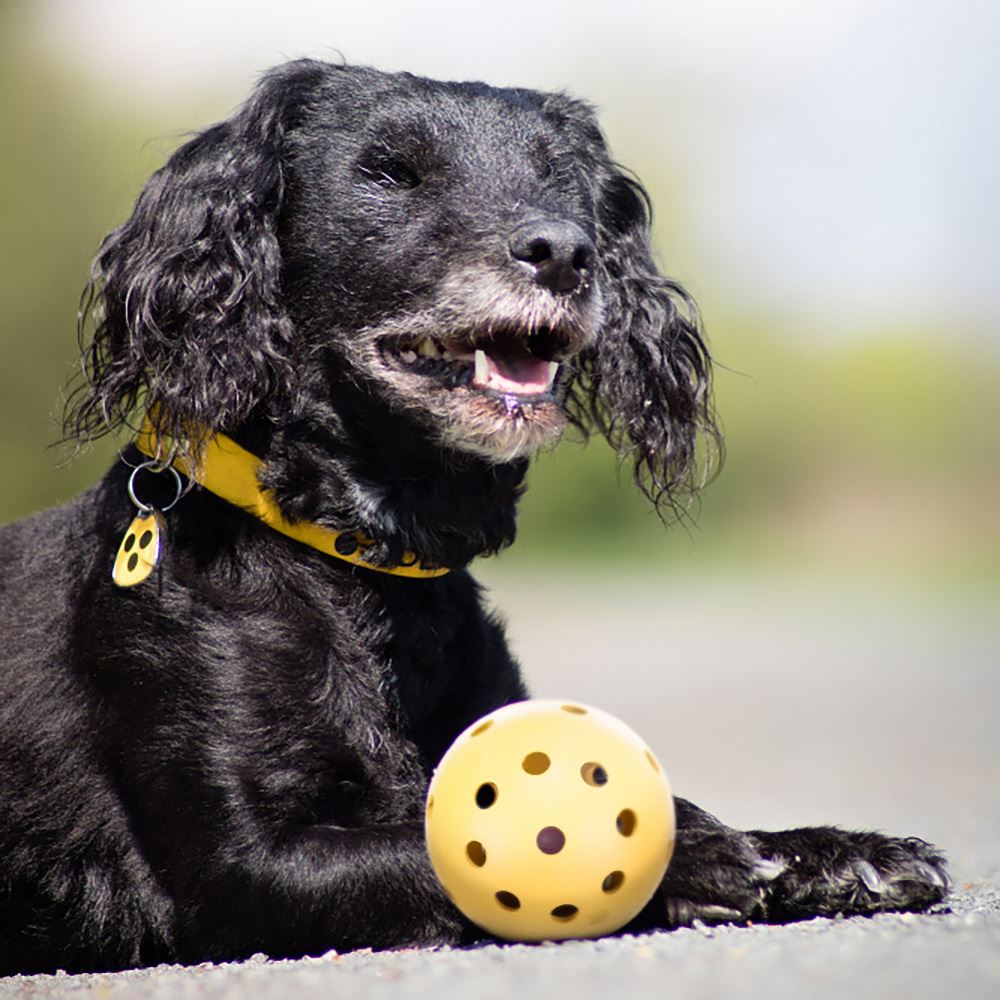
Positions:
{"x": 867, "y": 873}
{"x": 681, "y": 912}
{"x": 932, "y": 875}
{"x": 719, "y": 914}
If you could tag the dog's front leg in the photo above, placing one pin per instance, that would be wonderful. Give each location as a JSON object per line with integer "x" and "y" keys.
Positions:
{"x": 323, "y": 888}
{"x": 719, "y": 874}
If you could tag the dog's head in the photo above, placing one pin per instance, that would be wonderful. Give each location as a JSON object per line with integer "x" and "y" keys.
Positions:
{"x": 354, "y": 245}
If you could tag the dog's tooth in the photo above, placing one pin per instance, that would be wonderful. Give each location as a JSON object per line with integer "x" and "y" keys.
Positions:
{"x": 426, "y": 348}
{"x": 408, "y": 356}
{"x": 553, "y": 369}
{"x": 446, "y": 355}
{"x": 482, "y": 368}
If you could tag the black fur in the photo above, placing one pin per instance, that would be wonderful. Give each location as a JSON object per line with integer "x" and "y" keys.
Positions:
{"x": 232, "y": 757}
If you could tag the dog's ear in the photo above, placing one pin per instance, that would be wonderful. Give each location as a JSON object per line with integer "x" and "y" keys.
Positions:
{"x": 184, "y": 301}
{"x": 645, "y": 382}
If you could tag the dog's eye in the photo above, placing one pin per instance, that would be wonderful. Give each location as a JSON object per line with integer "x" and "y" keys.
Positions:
{"x": 389, "y": 172}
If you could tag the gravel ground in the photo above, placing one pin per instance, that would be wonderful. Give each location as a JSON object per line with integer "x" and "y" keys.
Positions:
{"x": 890, "y": 956}
{"x": 772, "y": 704}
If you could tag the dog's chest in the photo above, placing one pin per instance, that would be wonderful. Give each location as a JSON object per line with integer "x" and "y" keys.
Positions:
{"x": 353, "y": 701}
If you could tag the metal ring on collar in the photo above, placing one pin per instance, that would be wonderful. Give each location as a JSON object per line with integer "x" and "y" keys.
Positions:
{"x": 155, "y": 468}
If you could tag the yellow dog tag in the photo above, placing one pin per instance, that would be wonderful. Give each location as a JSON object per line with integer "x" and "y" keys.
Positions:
{"x": 139, "y": 550}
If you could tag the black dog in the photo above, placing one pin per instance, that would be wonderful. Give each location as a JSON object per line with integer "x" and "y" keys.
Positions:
{"x": 391, "y": 291}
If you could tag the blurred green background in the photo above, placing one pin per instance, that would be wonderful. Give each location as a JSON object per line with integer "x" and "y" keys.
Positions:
{"x": 862, "y": 429}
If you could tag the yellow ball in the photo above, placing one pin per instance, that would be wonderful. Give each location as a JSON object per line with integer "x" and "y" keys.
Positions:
{"x": 548, "y": 820}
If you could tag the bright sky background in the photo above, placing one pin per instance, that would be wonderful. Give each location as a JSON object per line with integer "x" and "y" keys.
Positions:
{"x": 832, "y": 164}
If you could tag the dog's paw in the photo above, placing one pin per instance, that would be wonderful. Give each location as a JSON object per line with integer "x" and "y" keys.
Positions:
{"x": 824, "y": 871}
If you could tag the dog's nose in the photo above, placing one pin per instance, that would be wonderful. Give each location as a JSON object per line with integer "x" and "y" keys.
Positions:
{"x": 558, "y": 253}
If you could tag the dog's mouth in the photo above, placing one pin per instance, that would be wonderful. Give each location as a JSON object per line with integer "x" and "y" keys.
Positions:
{"x": 506, "y": 362}
{"x": 493, "y": 390}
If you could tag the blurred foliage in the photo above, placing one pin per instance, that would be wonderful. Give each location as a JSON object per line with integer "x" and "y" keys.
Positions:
{"x": 68, "y": 169}
{"x": 877, "y": 456}
{"x": 871, "y": 455}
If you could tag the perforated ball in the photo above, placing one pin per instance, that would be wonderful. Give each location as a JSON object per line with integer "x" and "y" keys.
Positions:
{"x": 549, "y": 820}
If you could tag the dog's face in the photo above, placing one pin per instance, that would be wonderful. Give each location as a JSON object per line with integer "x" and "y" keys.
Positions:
{"x": 458, "y": 226}
{"x": 465, "y": 260}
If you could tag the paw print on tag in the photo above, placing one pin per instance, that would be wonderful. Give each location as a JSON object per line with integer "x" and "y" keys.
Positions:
{"x": 139, "y": 550}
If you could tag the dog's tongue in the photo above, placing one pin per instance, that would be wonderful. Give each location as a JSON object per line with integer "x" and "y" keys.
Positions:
{"x": 521, "y": 373}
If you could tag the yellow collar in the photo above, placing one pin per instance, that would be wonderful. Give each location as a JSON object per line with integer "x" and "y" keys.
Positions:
{"x": 232, "y": 473}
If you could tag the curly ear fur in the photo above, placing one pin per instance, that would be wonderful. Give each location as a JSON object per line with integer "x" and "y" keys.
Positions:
{"x": 185, "y": 298}
{"x": 645, "y": 383}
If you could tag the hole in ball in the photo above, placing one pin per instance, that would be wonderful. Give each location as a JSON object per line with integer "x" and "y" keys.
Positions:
{"x": 613, "y": 882}
{"x": 536, "y": 763}
{"x": 476, "y": 853}
{"x": 626, "y": 822}
{"x": 565, "y": 912}
{"x": 594, "y": 774}
{"x": 550, "y": 840}
{"x": 482, "y": 727}
{"x": 507, "y": 900}
{"x": 574, "y": 709}
{"x": 486, "y": 795}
